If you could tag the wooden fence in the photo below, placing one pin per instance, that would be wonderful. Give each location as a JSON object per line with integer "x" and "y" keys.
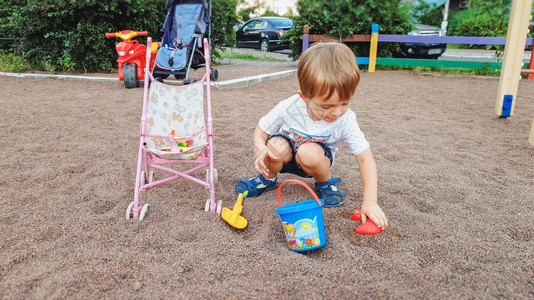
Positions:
{"x": 390, "y": 38}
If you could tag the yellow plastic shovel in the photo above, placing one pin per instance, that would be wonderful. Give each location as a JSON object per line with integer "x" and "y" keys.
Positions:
{"x": 233, "y": 216}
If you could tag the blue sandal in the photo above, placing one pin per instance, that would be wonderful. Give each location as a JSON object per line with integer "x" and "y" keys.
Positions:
{"x": 329, "y": 193}
{"x": 255, "y": 186}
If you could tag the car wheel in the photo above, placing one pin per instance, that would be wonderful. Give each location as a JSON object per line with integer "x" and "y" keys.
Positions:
{"x": 264, "y": 45}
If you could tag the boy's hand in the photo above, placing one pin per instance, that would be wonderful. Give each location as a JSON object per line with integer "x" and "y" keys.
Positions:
{"x": 263, "y": 161}
{"x": 374, "y": 212}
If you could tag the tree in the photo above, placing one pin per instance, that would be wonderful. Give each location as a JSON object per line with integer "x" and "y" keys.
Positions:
{"x": 341, "y": 18}
{"x": 425, "y": 13}
{"x": 224, "y": 19}
{"x": 482, "y": 18}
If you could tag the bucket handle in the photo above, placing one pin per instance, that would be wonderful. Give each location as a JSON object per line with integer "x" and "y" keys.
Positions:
{"x": 301, "y": 183}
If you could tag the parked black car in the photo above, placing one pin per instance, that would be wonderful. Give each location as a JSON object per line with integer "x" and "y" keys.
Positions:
{"x": 264, "y": 33}
{"x": 417, "y": 50}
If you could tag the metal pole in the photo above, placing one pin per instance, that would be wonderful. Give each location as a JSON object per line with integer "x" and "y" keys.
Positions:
{"x": 445, "y": 21}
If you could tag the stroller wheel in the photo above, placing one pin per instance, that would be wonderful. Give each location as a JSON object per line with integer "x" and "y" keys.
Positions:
{"x": 129, "y": 211}
{"x": 185, "y": 82}
{"x": 219, "y": 207}
{"x": 215, "y": 176}
{"x": 150, "y": 177}
{"x": 214, "y": 75}
{"x": 144, "y": 210}
{"x": 130, "y": 76}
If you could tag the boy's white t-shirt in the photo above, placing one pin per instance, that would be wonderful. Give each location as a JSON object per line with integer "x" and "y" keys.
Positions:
{"x": 290, "y": 118}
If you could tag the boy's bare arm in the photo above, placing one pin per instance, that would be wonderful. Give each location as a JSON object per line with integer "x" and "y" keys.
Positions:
{"x": 260, "y": 138}
{"x": 261, "y": 151}
{"x": 369, "y": 177}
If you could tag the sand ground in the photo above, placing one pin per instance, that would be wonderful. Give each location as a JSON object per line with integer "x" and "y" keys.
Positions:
{"x": 456, "y": 182}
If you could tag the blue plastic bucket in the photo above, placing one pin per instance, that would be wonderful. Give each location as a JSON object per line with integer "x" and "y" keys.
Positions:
{"x": 302, "y": 222}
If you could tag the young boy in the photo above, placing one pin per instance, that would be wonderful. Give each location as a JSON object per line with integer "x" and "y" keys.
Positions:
{"x": 300, "y": 135}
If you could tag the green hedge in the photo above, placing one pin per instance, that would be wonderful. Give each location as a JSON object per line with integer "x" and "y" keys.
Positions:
{"x": 69, "y": 35}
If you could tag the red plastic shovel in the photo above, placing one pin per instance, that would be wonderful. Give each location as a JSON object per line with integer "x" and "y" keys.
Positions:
{"x": 369, "y": 227}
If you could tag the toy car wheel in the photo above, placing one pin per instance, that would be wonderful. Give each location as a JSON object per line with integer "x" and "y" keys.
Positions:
{"x": 186, "y": 82}
{"x": 129, "y": 72}
{"x": 215, "y": 175}
{"x": 214, "y": 75}
{"x": 144, "y": 210}
{"x": 178, "y": 76}
{"x": 129, "y": 211}
{"x": 264, "y": 45}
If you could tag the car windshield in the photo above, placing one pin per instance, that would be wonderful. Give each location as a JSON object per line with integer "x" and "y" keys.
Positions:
{"x": 282, "y": 23}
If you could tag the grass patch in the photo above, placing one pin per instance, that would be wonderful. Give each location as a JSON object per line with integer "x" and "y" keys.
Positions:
{"x": 444, "y": 71}
{"x": 231, "y": 55}
{"x": 12, "y": 63}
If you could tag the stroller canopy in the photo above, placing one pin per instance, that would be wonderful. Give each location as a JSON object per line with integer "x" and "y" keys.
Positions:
{"x": 197, "y": 12}
{"x": 170, "y": 3}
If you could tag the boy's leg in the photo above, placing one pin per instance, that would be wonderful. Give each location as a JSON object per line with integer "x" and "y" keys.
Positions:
{"x": 311, "y": 157}
{"x": 259, "y": 184}
{"x": 315, "y": 160}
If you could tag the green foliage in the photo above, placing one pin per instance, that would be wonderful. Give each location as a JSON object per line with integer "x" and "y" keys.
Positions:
{"x": 58, "y": 35}
{"x": 245, "y": 13}
{"x": 341, "y": 18}
{"x": 482, "y": 18}
{"x": 428, "y": 14}
{"x": 223, "y": 21}
{"x": 69, "y": 35}
{"x": 12, "y": 63}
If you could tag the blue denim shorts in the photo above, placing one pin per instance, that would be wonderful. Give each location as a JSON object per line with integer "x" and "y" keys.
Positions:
{"x": 292, "y": 166}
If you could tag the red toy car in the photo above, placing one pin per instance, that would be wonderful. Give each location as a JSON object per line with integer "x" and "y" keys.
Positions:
{"x": 132, "y": 56}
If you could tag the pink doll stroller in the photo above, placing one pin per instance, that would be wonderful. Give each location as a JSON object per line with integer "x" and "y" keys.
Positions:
{"x": 173, "y": 131}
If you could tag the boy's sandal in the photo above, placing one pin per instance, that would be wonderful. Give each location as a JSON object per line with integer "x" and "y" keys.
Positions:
{"x": 328, "y": 191}
{"x": 255, "y": 186}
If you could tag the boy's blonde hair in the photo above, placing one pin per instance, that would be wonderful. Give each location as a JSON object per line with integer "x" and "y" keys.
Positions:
{"x": 327, "y": 67}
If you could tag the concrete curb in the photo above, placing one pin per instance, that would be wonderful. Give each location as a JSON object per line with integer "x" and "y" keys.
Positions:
{"x": 251, "y": 80}
{"x": 58, "y": 76}
{"x": 228, "y": 84}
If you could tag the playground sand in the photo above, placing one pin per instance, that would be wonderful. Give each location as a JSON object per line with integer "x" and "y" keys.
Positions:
{"x": 455, "y": 181}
